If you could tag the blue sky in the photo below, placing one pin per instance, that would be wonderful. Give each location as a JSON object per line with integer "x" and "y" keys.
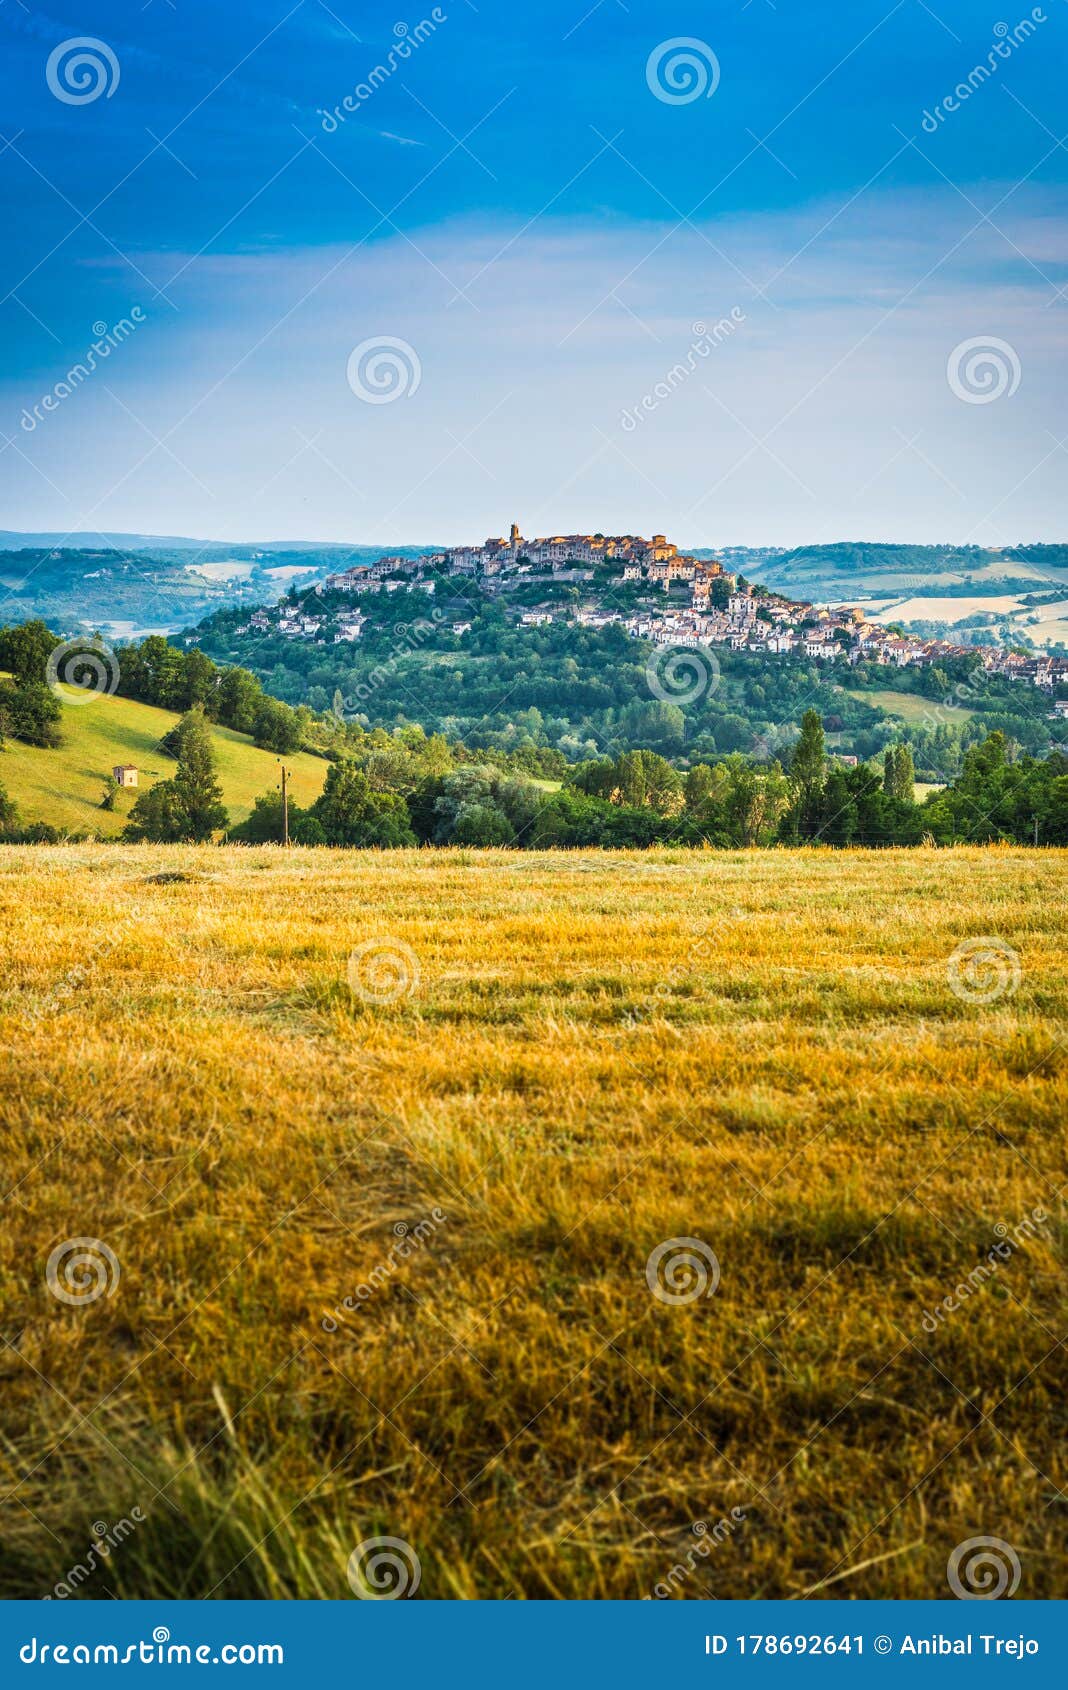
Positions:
{"x": 510, "y": 197}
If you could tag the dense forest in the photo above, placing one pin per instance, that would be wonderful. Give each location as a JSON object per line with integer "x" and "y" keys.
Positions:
{"x": 405, "y": 786}
{"x": 584, "y": 692}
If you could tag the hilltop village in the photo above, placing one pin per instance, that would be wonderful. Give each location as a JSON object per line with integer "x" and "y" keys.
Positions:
{"x": 618, "y": 579}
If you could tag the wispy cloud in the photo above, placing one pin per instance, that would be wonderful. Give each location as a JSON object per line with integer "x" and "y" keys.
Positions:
{"x": 827, "y": 413}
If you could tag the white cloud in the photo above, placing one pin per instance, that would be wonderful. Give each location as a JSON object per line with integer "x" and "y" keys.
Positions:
{"x": 837, "y": 367}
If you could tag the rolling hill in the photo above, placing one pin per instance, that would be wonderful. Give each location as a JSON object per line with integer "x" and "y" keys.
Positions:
{"x": 138, "y": 583}
{"x": 64, "y": 787}
{"x": 1020, "y": 589}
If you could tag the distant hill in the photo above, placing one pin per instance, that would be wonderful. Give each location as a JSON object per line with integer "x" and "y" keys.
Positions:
{"x": 64, "y": 787}
{"x": 126, "y": 585}
{"x": 12, "y": 540}
{"x": 120, "y": 592}
{"x": 1019, "y": 592}
{"x": 874, "y": 568}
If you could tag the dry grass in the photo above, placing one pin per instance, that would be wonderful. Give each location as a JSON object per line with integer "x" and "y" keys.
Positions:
{"x": 761, "y": 1051}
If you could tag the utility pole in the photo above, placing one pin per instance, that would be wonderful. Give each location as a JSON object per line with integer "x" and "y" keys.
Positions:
{"x": 1035, "y": 820}
{"x": 285, "y": 805}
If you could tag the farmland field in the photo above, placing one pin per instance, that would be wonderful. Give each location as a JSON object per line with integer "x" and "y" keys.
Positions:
{"x": 911, "y": 707}
{"x": 649, "y": 1180}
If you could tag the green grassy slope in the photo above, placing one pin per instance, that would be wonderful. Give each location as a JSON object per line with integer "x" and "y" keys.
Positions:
{"x": 909, "y": 705}
{"x": 65, "y": 786}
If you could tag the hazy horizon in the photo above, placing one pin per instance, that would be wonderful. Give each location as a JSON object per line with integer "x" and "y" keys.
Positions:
{"x": 49, "y": 536}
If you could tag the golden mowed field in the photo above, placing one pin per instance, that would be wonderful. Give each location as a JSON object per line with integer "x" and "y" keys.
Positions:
{"x": 646, "y": 1177}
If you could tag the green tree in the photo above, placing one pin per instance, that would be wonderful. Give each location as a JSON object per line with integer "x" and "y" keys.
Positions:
{"x": 897, "y": 771}
{"x": 276, "y": 727}
{"x": 660, "y": 723}
{"x": 755, "y": 801}
{"x": 265, "y": 824}
{"x": 838, "y": 819}
{"x": 350, "y": 813}
{"x": 481, "y": 824}
{"x": 808, "y": 773}
{"x": 158, "y": 675}
{"x": 700, "y": 786}
{"x": 199, "y": 793}
{"x": 1054, "y": 821}
{"x": 25, "y": 650}
{"x": 199, "y": 682}
{"x": 188, "y": 808}
{"x": 156, "y": 816}
{"x": 31, "y": 712}
{"x": 473, "y": 786}
{"x": 9, "y": 814}
{"x": 635, "y": 779}
{"x": 238, "y": 699}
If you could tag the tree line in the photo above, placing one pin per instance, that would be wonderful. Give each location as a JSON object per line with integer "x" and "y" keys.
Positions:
{"x": 409, "y": 789}
{"x": 153, "y": 672}
{"x": 403, "y": 786}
